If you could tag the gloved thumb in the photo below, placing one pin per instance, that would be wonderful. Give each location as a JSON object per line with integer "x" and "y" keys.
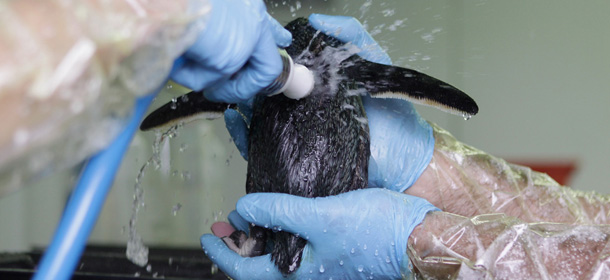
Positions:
{"x": 349, "y": 29}
{"x": 234, "y": 265}
{"x": 238, "y": 222}
{"x": 282, "y": 37}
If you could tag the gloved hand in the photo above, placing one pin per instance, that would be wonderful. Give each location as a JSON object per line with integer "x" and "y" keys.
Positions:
{"x": 236, "y": 55}
{"x": 402, "y": 143}
{"x": 355, "y": 235}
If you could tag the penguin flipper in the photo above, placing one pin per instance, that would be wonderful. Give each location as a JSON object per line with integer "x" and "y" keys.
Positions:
{"x": 384, "y": 81}
{"x": 186, "y": 108}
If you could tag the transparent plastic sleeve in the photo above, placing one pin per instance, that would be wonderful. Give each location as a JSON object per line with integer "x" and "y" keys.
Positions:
{"x": 504, "y": 221}
{"x": 494, "y": 246}
{"x": 465, "y": 181}
{"x": 70, "y": 71}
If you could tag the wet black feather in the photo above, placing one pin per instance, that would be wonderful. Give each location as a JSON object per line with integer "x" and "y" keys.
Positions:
{"x": 310, "y": 147}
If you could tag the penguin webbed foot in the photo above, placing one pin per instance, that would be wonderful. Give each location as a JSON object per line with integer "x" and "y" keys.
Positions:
{"x": 247, "y": 246}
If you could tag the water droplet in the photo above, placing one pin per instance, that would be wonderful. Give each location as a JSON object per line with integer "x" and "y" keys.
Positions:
{"x": 186, "y": 175}
{"x": 364, "y": 247}
{"x": 341, "y": 262}
{"x": 376, "y": 253}
{"x": 321, "y": 268}
{"x": 149, "y": 268}
{"x": 267, "y": 269}
{"x": 360, "y": 268}
{"x": 353, "y": 251}
{"x": 324, "y": 230}
{"x": 176, "y": 208}
{"x": 183, "y": 147}
{"x": 388, "y": 12}
{"x": 387, "y": 259}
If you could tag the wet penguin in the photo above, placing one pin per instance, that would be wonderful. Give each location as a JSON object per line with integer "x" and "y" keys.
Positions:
{"x": 319, "y": 145}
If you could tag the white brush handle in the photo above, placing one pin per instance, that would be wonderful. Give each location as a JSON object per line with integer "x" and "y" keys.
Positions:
{"x": 295, "y": 81}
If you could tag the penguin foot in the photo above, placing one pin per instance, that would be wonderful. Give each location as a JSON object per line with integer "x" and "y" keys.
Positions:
{"x": 245, "y": 246}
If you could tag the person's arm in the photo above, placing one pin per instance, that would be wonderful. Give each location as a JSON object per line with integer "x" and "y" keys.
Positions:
{"x": 499, "y": 247}
{"x": 376, "y": 232}
{"x": 70, "y": 71}
{"x": 466, "y": 181}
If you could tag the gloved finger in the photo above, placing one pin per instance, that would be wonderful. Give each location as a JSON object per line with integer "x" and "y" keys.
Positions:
{"x": 295, "y": 214}
{"x": 262, "y": 68}
{"x": 238, "y": 222}
{"x": 236, "y": 125}
{"x": 282, "y": 37}
{"x": 234, "y": 265}
{"x": 194, "y": 76}
{"x": 349, "y": 29}
{"x": 397, "y": 119}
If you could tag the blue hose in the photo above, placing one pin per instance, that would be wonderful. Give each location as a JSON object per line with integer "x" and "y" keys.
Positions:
{"x": 87, "y": 199}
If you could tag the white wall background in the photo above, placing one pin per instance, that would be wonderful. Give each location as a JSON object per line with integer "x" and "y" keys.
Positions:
{"x": 538, "y": 70}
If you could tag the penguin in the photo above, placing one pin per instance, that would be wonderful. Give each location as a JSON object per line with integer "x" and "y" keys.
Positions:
{"x": 318, "y": 145}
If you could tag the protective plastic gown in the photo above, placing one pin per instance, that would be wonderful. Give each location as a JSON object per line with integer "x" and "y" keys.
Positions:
{"x": 541, "y": 230}
{"x": 70, "y": 70}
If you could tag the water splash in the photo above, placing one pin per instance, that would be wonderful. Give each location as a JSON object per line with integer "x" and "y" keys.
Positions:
{"x": 366, "y": 6}
{"x": 136, "y": 251}
{"x": 396, "y": 25}
{"x": 388, "y": 12}
{"x": 326, "y": 65}
{"x": 430, "y": 36}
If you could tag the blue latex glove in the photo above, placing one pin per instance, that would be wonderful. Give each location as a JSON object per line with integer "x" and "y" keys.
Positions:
{"x": 236, "y": 55}
{"x": 402, "y": 143}
{"x": 355, "y": 235}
